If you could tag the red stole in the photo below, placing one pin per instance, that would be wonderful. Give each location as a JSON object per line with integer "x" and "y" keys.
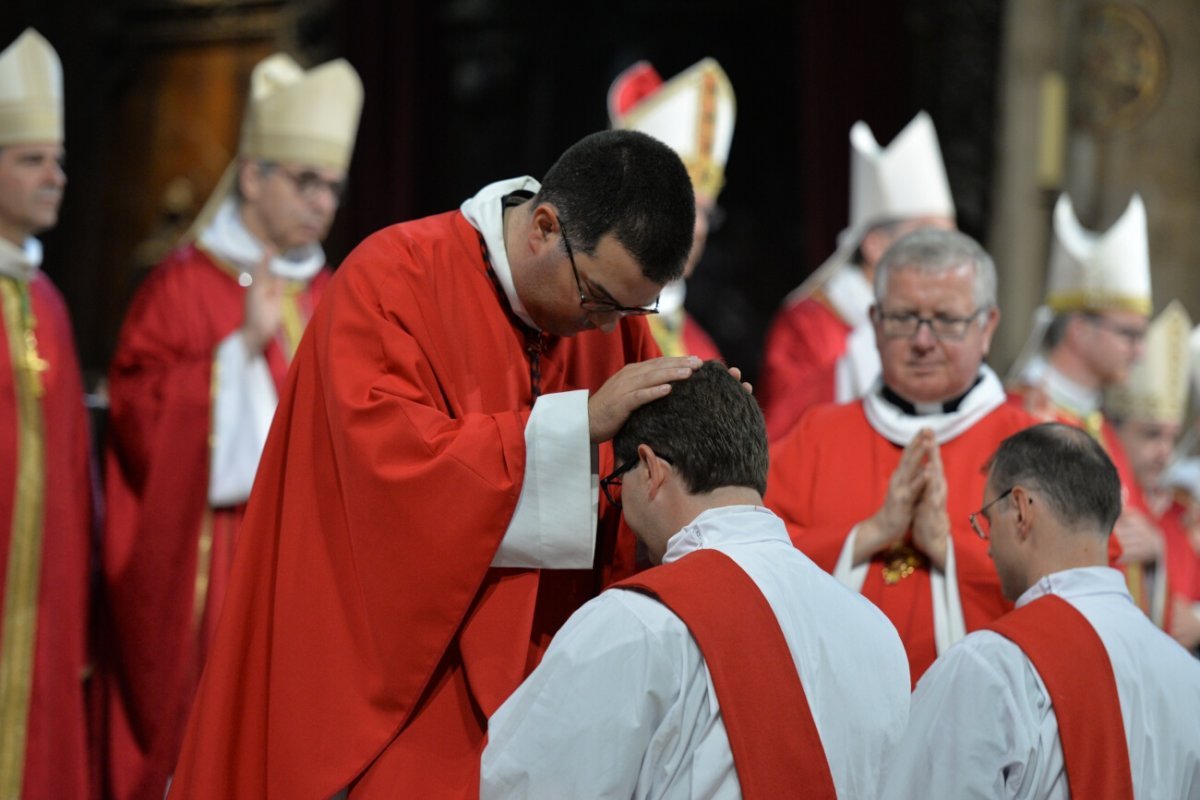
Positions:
{"x": 775, "y": 745}
{"x": 1072, "y": 662}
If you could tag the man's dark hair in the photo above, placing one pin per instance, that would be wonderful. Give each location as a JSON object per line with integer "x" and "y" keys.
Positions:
{"x": 632, "y": 186}
{"x": 1070, "y": 469}
{"x": 709, "y": 427}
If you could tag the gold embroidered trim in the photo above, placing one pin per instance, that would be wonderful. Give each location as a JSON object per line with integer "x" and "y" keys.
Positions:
{"x": 17, "y": 641}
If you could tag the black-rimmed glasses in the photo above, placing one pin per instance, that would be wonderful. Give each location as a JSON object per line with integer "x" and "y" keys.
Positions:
{"x": 596, "y": 305}
{"x": 1132, "y": 334}
{"x": 309, "y": 184}
{"x": 611, "y": 484}
{"x": 943, "y": 326}
{"x": 974, "y": 518}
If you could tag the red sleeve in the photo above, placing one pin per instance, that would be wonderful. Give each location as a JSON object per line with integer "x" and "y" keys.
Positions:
{"x": 791, "y": 488}
{"x": 799, "y": 365}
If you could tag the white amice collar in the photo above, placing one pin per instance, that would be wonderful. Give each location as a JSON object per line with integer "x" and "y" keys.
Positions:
{"x": 485, "y": 212}
{"x": 1066, "y": 393}
{"x": 850, "y": 295}
{"x": 710, "y": 528}
{"x": 1077, "y": 582}
{"x": 228, "y": 238}
{"x": 899, "y": 426}
{"x": 23, "y": 262}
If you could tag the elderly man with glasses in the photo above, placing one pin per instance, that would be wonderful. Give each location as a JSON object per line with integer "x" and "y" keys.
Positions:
{"x": 1075, "y": 693}
{"x": 736, "y": 668}
{"x": 426, "y": 513}
{"x": 194, "y": 381}
{"x": 877, "y": 491}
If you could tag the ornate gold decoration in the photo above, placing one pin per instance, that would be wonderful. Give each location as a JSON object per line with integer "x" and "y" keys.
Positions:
{"x": 1123, "y": 67}
{"x": 23, "y": 577}
{"x": 901, "y": 560}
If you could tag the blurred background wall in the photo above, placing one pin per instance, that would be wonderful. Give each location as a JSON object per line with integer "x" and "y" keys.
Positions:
{"x": 1029, "y": 97}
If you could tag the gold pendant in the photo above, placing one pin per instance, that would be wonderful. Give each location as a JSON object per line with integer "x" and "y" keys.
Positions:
{"x": 900, "y": 561}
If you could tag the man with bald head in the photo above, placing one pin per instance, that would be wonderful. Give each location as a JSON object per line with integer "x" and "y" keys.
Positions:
{"x": 877, "y": 491}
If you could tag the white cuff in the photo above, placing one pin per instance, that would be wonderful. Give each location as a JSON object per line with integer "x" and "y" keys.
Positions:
{"x": 554, "y": 525}
{"x": 244, "y": 401}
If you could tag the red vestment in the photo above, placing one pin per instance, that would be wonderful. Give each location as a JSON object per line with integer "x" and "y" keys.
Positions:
{"x": 365, "y": 638}
{"x": 44, "y": 564}
{"x": 1183, "y": 563}
{"x": 167, "y": 552}
{"x": 800, "y": 362}
{"x": 831, "y": 472}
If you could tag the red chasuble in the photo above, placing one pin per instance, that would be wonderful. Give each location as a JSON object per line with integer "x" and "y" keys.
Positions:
{"x": 365, "y": 639}
{"x": 1071, "y": 660}
{"x": 167, "y": 553}
{"x": 800, "y": 363}
{"x": 45, "y": 548}
{"x": 1183, "y": 563}
{"x": 831, "y": 472}
{"x": 776, "y": 747}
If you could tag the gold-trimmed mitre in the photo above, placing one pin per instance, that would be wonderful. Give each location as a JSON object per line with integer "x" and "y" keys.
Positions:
{"x": 31, "y": 91}
{"x": 693, "y": 113}
{"x": 1094, "y": 271}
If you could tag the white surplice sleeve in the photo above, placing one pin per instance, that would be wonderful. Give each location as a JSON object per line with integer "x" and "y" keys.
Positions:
{"x": 980, "y": 726}
{"x": 582, "y": 724}
{"x": 244, "y": 401}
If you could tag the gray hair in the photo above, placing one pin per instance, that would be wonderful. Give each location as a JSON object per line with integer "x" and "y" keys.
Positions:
{"x": 935, "y": 251}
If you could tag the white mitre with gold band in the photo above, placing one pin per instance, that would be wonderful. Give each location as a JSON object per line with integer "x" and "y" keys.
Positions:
{"x": 904, "y": 180}
{"x": 1157, "y": 387}
{"x": 1092, "y": 271}
{"x": 305, "y": 117}
{"x": 693, "y": 113}
{"x": 31, "y": 91}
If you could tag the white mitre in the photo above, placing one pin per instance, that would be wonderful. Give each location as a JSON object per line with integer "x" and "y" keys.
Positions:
{"x": 904, "y": 180}
{"x": 304, "y": 117}
{"x": 31, "y": 91}
{"x": 1097, "y": 271}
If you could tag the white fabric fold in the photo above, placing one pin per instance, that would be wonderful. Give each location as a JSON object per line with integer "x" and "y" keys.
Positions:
{"x": 21, "y": 262}
{"x": 244, "y": 401}
{"x": 949, "y": 625}
{"x": 228, "y": 239}
{"x": 485, "y": 212}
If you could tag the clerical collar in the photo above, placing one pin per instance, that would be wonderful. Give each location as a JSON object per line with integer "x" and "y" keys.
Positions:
{"x": 485, "y": 213}
{"x": 925, "y": 409}
{"x": 21, "y": 263}
{"x": 899, "y": 426}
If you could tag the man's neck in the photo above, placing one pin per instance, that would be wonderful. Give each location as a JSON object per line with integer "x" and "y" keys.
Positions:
{"x": 1069, "y": 364}
{"x": 253, "y": 224}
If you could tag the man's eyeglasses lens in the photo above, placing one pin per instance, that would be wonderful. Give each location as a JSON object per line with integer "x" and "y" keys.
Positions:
{"x": 309, "y": 184}
{"x": 942, "y": 326}
{"x": 594, "y": 305}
